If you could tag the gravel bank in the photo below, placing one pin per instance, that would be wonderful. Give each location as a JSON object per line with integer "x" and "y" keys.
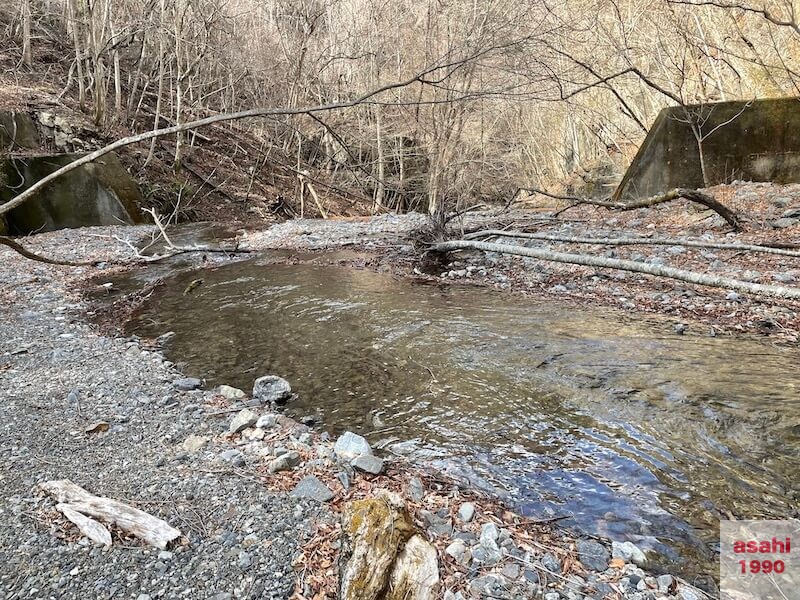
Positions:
{"x": 58, "y": 376}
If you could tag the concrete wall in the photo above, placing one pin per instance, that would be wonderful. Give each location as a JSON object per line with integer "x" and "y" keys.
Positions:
{"x": 759, "y": 141}
{"x": 100, "y": 193}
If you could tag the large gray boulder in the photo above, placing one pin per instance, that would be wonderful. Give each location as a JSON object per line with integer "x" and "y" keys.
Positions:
{"x": 100, "y": 193}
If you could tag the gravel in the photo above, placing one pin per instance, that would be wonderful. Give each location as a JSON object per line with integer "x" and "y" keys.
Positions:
{"x": 58, "y": 375}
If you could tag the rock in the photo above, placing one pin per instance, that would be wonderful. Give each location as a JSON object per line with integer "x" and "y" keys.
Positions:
{"x": 552, "y": 596}
{"x": 436, "y": 525}
{"x": 791, "y": 213}
{"x": 243, "y": 419}
{"x": 373, "y": 531}
{"x": 267, "y": 421}
{"x": 231, "y": 393}
{"x": 271, "y": 389}
{"x": 416, "y": 490}
{"x": 551, "y": 563}
{"x": 466, "y": 511}
{"x": 415, "y": 575}
{"x": 96, "y": 427}
{"x": 680, "y": 328}
{"x": 489, "y": 534}
{"x": 285, "y": 462}
{"x": 511, "y": 571}
{"x": 312, "y": 488}
{"x": 688, "y": 593}
{"x": 732, "y": 297}
{"x": 100, "y": 193}
{"x": 187, "y": 384}
{"x": 783, "y": 223}
{"x": 233, "y": 456}
{"x": 344, "y": 479}
{"x": 593, "y": 555}
{"x": 628, "y": 552}
{"x": 245, "y": 561}
{"x": 368, "y": 464}
{"x": 193, "y": 443}
{"x": 457, "y": 550}
{"x": 665, "y": 584}
{"x": 350, "y": 446}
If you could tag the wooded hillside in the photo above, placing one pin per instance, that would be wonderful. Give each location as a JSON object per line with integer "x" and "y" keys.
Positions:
{"x": 539, "y": 94}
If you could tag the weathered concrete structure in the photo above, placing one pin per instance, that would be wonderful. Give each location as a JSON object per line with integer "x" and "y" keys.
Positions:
{"x": 100, "y": 193}
{"x": 750, "y": 141}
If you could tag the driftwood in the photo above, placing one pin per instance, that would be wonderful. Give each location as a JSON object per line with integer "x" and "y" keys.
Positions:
{"x": 632, "y": 241}
{"x": 692, "y": 195}
{"x": 624, "y": 265}
{"x": 89, "y": 527}
{"x": 144, "y": 526}
{"x": 20, "y": 249}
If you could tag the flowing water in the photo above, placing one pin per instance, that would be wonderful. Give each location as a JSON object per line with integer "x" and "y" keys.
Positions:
{"x": 630, "y": 430}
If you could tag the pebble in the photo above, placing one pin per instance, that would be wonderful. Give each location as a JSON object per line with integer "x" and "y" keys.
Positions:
{"x": 593, "y": 555}
{"x": 284, "y": 462}
{"x": 368, "y": 463}
{"x": 311, "y": 487}
{"x": 416, "y": 490}
{"x": 231, "y": 393}
{"x": 466, "y": 512}
{"x": 629, "y": 552}
{"x": 187, "y": 384}
{"x": 243, "y": 419}
{"x": 233, "y": 456}
{"x": 267, "y": 421}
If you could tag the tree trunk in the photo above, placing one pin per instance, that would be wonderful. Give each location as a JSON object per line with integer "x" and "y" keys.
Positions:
{"x": 624, "y": 265}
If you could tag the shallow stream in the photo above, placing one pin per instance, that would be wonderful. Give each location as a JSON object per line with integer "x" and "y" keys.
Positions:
{"x": 630, "y": 430}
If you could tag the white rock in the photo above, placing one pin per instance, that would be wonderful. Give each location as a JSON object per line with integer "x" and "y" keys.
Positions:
{"x": 193, "y": 443}
{"x": 629, "y": 552}
{"x": 244, "y": 418}
{"x": 231, "y": 393}
{"x": 415, "y": 575}
{"x": 351, "y": 445}
{"x": 466, "y": 511}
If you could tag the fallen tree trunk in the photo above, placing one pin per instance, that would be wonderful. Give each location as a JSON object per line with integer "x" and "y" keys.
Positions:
{"x": 631, "y": 241}
{"x": 692, "y": 195}
{"x": 144, "y": 526}
{"x": 587, "y": 260}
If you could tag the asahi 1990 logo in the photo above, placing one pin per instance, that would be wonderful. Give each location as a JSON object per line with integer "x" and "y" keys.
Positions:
{"x": 759, "y": 560}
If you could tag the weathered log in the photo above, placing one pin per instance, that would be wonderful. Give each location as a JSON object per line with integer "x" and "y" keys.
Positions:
{"x": 632, "y": 241}
{"x": 89, "y": 527}
{"x": 144, "y": 526}
{"x": 588, "y": 260}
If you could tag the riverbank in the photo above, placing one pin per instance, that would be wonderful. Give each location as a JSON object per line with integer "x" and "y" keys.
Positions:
{"x": 771, "y": 215}
{"x": 178, "y": 451}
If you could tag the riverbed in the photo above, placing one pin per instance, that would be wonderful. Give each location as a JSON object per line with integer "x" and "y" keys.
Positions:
{"x": 627, "y": 430}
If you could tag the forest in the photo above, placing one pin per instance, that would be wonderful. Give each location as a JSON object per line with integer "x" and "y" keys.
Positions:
{"x": 408, "y": 300}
